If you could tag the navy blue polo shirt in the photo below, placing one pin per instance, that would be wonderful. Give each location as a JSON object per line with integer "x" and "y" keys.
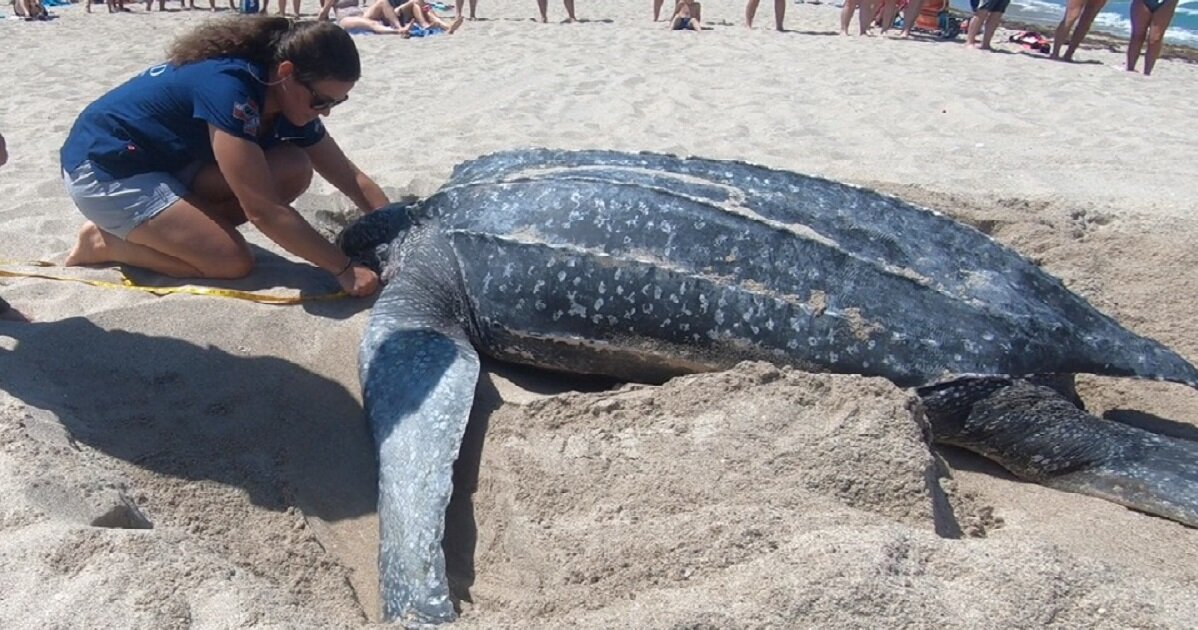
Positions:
{"x": 158, "y": 120}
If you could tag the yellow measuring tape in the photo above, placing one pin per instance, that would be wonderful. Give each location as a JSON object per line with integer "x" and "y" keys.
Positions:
{"x": 128, "y": 284}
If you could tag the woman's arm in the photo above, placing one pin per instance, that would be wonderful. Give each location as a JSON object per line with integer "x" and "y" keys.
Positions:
{"x": 243, "y": 165}
{"x": 330, "y": 161}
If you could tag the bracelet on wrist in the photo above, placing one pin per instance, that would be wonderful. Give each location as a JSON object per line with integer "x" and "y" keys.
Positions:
{"x": 345, "y": 268}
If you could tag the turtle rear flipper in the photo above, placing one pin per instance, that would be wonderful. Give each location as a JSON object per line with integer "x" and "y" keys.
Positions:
{"x": 1153, "y": 473}
{"x": 1040, "y": 436}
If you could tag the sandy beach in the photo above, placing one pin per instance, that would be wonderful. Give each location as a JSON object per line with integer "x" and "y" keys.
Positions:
{"x": 202, "y": 461}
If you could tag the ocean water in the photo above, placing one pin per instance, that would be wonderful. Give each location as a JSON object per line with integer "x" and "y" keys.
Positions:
{"x": 1114, "y": 17}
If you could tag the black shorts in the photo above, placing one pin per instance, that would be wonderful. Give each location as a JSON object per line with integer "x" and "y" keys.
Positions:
{"x": 993, "y": 6}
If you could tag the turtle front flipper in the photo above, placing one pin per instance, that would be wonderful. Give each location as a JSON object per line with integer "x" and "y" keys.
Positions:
{"x": 418, "y": 371}
{"x": 1040, "y": 436}
{"x": 418, "y": 393}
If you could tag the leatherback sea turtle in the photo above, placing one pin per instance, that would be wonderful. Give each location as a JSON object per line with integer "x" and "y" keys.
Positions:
{"x": 645, "y": 266}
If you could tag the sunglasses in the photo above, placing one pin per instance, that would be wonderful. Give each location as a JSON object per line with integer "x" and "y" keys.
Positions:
{"x": 320, "y": 102}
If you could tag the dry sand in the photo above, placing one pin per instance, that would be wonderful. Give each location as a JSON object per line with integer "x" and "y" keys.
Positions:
{"x": 753, "y": 498}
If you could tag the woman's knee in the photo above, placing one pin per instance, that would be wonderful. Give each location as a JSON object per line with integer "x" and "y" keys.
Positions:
{"x": 291, "y": 170}
{"x": 233, "y": 262}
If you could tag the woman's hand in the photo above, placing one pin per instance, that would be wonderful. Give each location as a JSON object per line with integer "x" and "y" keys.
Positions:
{"x": 358, "y": 281}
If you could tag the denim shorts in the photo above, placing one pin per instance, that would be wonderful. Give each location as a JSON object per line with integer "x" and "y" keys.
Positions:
{"x": 119, "y": 206}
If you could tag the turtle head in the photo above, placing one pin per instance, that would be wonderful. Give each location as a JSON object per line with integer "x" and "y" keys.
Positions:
{"x": 370, "y": 240}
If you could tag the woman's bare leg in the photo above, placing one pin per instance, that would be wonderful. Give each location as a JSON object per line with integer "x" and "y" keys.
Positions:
{"x": 1156, "y": 34}
{"x": 910, "y": 14}
{"x": 1141, "y": 17}
{"x": 846, "y": 15}
{"x": 992, "y": 23}
{"x": 889, "y": 10}
{"x": 380, "y": 11}
{"x": 196, "y": 237}
{"x": 1073, "y": 11}
{"x": 1083, "y": 26}
{"x": 975, "y": 25}
{"x": 865, "y": 14}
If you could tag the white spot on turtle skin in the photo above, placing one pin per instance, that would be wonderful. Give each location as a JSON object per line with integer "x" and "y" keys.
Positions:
{"x": 719, "y": 318}
{"x": 561, "y": 276}
{"x": 487, "y": 282}
{"x": 598, "y": 304}
{"x": 540, "y": 306}
{"x": 619, "y": 289}
{"x": 602, "y": 287}
{"x": 558, "y": 315}
{"x": 536, "y": 288}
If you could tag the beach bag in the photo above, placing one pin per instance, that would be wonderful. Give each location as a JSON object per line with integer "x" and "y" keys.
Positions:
{"x": 250, "y": 7}
{"x": 947, "y": 26}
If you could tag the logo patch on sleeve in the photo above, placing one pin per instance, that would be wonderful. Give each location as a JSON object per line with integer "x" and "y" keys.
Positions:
{"x": 247, "y": 113}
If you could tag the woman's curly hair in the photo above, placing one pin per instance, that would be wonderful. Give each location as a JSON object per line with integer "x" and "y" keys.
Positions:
{"x": 319, "y": 50}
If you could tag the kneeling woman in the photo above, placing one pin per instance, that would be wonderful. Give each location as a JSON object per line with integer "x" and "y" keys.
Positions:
{"x": 166, "y": 166}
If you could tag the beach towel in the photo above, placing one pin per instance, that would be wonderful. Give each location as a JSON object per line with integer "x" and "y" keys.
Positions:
{"x": 1032, "y": 41}
{"x": 418, "y": 31}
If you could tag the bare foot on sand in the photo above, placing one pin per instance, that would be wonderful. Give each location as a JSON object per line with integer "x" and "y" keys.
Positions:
{"x": 91, "y": 248}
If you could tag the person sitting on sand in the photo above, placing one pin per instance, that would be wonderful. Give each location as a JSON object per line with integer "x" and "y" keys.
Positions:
{"x": 1086, "y": 10}
{"x": 779, "y": 12}
{"x": 378, "y": 18}
{"x": 420, "y": 13}
{"x": 166, "y": 166}
{"x": 30, "y": 9}
{"x": 1149, "y": 20}
{"x": 543, "y": 5}
{"x": 987, "y": 13}
{"x": 684, "y": 18}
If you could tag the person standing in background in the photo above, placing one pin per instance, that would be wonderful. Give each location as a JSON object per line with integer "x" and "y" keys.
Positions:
{"x": 1149, "y": 20}
{"x": 779, "y": 13}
